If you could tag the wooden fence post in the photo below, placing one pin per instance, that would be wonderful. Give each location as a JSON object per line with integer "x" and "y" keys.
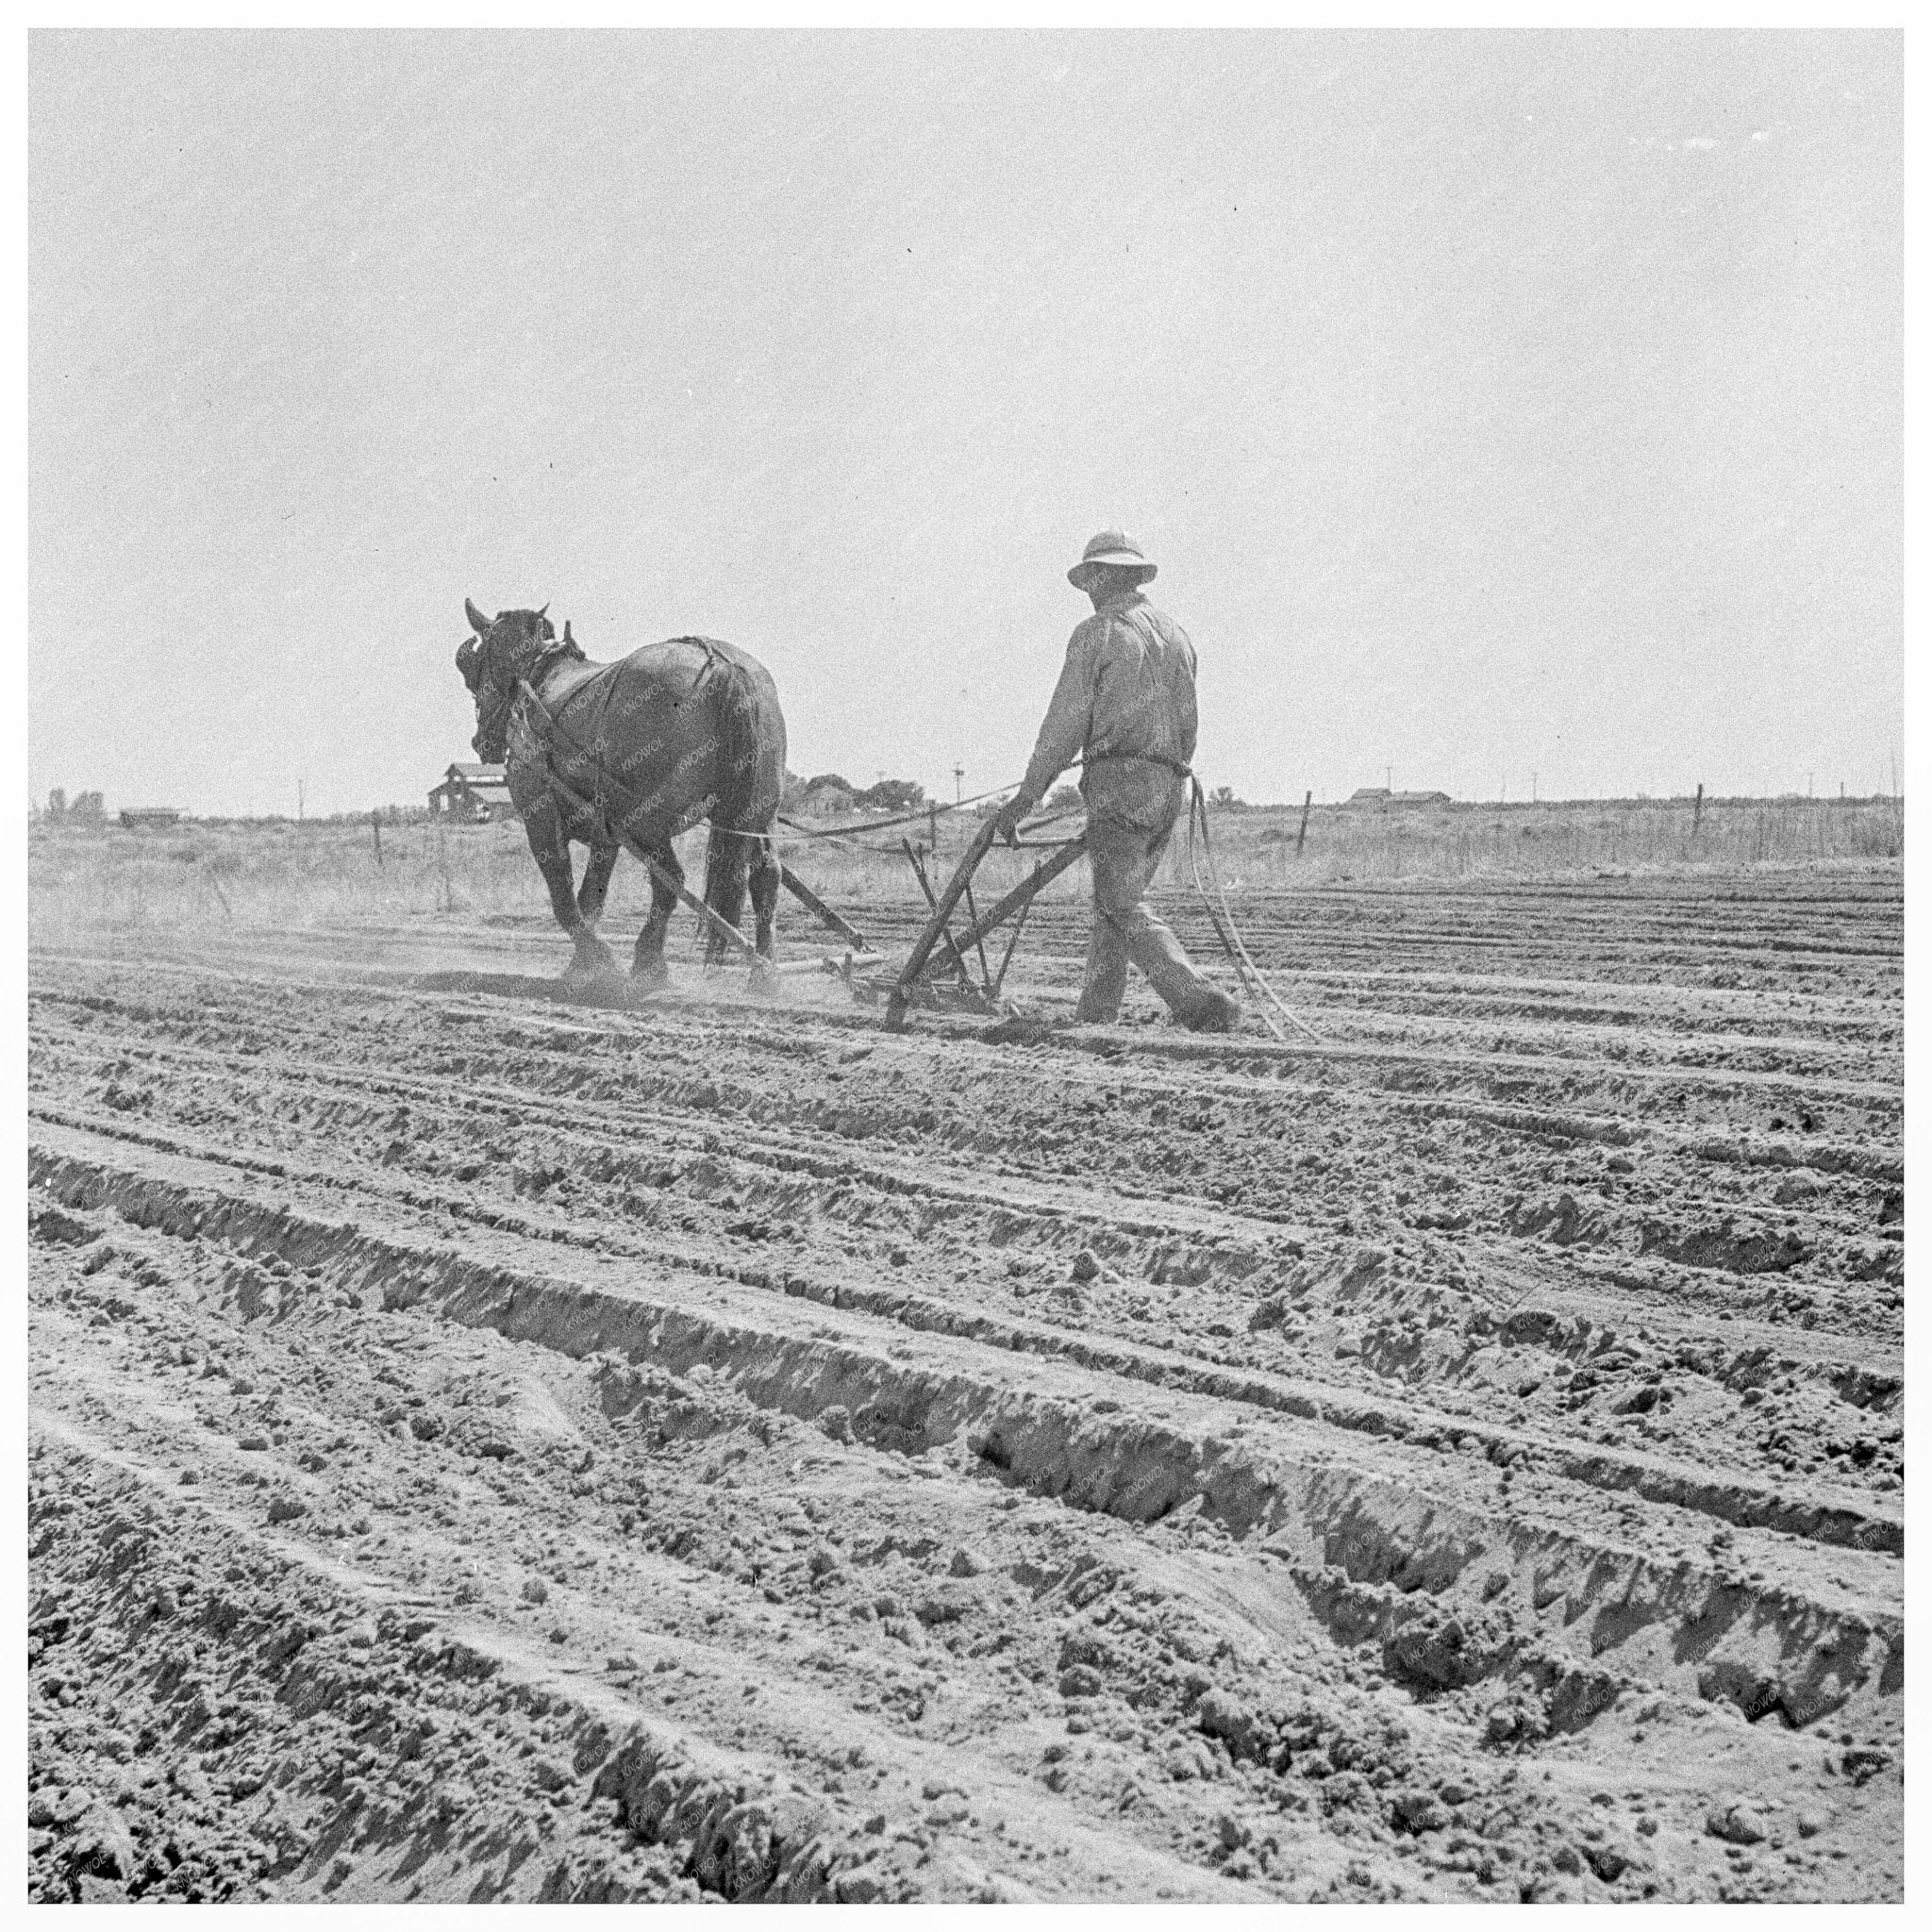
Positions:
{"x": 1697, "y": 812}
{"x": 932, "y": 825}
{"x": 375, "y": 830}
{"x": 1300, "y": 837}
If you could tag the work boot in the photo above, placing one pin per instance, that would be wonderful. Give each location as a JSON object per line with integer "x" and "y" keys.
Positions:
{"x": 1213, "y": 1012}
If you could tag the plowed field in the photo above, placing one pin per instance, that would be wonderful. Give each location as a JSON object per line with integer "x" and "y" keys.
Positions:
{"x": 492, "y": 1444}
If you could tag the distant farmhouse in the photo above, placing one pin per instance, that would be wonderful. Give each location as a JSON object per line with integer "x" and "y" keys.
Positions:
{"x": 1379, "y": 798}
{"x": 475, "y": 793}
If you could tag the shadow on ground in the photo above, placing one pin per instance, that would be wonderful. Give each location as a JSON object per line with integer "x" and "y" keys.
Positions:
{"x": 615, "y": 992}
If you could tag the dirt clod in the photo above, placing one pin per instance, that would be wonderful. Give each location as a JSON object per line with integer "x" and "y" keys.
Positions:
{"x": 1737, "y": 1823}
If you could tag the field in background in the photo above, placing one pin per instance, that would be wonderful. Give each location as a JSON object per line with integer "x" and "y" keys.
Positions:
{"x": 279, "y": 871}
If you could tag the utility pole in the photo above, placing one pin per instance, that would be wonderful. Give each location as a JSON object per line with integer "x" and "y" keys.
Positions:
{"x": 958, "y": 783}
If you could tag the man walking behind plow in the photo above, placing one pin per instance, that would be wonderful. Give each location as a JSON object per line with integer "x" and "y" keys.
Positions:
{"x": 1125, "y": 706}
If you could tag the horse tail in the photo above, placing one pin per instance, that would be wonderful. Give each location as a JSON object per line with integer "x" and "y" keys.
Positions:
{"x": 747, "y": 790}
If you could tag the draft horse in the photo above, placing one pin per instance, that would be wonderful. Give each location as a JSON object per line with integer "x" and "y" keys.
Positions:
{"x": 632, "y": 754}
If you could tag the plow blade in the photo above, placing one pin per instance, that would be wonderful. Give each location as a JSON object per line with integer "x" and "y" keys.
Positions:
{"x": 915, "y": 985}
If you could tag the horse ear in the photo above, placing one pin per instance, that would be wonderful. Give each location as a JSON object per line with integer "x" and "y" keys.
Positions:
{"x": 567, "y": 637}
{"x": 478, "y": 623}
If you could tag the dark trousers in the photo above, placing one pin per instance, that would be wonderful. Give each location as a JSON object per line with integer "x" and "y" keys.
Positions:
{"x": 1123, "y": 859}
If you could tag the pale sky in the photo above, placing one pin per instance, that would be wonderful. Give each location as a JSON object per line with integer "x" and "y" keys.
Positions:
{"x": 1491, "y": 402}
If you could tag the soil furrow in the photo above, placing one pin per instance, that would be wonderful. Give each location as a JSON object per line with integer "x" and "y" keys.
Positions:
{"x": 1299, "y": 1484}
{"x": 78, "y": 1178}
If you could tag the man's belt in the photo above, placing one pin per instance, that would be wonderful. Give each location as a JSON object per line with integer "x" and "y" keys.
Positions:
{"x": 1136, "y": 757}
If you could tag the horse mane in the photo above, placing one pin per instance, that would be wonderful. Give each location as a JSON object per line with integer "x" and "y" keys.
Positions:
{"x": 557, "y": 651}
{"x": 548, "y": 650}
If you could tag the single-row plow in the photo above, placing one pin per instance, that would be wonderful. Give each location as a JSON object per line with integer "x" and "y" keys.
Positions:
{"x": 947, "y": 971}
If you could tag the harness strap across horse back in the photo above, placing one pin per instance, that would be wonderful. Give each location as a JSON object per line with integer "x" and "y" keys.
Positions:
{"x": 598, "y": 807}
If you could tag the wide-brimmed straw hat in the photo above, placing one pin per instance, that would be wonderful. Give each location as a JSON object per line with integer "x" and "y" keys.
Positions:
{"x": 1110, "y": 546}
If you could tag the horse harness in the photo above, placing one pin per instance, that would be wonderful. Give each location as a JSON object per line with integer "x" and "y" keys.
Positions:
{"x": 598, "y": 806}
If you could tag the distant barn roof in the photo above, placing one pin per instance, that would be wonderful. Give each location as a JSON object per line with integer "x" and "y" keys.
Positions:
{"x": 1380, "y": 794}
{"x": 479, "y": 791}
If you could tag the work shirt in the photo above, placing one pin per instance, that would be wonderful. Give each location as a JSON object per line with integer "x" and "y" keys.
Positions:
{"x": 1126, "y": 704}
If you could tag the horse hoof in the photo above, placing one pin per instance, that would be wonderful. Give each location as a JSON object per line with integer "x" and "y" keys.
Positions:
{"x": 766, "y": 979}
{"x": 650, "y": 978}
{"x": 591, "y": 972}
